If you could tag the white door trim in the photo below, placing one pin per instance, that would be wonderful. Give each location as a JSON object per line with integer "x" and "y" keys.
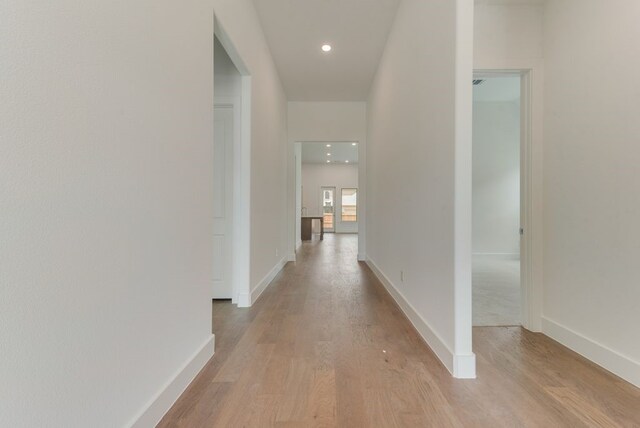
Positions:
{"x": 235, "y": 105}
{"x": 224, "y": 226}
{"x": 241, "y": 251}
{"x": 530, "y": 195}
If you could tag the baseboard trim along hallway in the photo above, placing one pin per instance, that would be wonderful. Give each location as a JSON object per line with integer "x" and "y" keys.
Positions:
{"x": 167, "y": 396}
{"x": 460, "y": 366}
{"x": 264, "y": 283}
{"x": 607, "y": 358}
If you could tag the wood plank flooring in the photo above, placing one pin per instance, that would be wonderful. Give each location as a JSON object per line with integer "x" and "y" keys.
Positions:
{"x": 326, "y": 346}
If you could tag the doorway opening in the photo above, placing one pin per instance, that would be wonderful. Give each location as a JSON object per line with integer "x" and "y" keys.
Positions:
{"x": 499, "y": 199}
{"x": 231, "y": 174}
{"x": 328, "y": 208}
{"x": 326, "y": 189}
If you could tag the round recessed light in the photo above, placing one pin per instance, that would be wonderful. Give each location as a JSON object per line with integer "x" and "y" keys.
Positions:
{"x": 354, "y": 144}
{"x": 328, "y": 154}
{"x": 346, "y": 161}
{"x": 326, "y": 48}
{"x": 328, "y": 161}
{"x": 328, "y": 145}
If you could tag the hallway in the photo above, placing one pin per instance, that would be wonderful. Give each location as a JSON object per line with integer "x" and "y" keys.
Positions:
{"x": 326, "y": 346}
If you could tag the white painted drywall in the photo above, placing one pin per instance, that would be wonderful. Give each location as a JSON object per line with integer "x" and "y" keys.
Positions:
{"x": 106, "y": 199}
{"x": 496, "y": 177}
{"x": 507, "y": 32}
{"x": 592, "y": 185}
{"x": 316, "y": 176}
{"x": 328, "y": 121}
{"x": 410, "y": 168}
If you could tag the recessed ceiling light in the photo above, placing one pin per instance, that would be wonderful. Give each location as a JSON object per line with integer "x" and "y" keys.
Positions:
{"x": 328, "y": 154}
{"x": 326, "y": 48}
{"x": 354, "y": 144}
{"x": 328, "y": 161}
{"x": 328, "y": 145}
{"x": 346, "y": 161}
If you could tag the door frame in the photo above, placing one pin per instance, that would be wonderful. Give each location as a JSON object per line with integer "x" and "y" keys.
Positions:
{"x": 335, "y": 196}
{"x": 241, "y": 232}
{"x": 530, "y": 193}
{"x": 234, "y": 104}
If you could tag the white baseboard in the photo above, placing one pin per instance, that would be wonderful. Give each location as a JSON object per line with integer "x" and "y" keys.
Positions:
{"x": 167, "y": 396}
{"x": 298, "y": 245}
{"x": 460, "y": 366}
{"x": 244, "y": 300}
{"x": 262, "y": 285}
{"x": 464, "y": 366}
{"x": 613, "y": 361}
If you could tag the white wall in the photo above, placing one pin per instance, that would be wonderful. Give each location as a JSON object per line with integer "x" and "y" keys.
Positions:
{"x": 316, "y": 176}
{"x": 496, "y": 177}
{"x": 592, "y": 192}
{"x": 410, "y": 173}
{"x": 507, "y": 32}
{"x": 106, "y": 200}
{"x": 327, "y": 121}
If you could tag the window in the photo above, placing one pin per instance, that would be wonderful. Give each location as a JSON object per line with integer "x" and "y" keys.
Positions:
{"x": 349, "y": 205}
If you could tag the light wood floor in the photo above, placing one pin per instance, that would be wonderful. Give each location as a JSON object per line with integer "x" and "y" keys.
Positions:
{"x": 326, "y": 346}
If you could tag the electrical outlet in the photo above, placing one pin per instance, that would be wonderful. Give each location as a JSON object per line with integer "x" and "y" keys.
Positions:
{"x": 401, "y": 276}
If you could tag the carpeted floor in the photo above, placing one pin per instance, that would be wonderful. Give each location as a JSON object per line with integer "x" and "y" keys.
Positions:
{"x": 496, "y": 291}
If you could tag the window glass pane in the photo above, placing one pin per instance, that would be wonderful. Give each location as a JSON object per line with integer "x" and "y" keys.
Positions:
{"x": 349, "y": 205}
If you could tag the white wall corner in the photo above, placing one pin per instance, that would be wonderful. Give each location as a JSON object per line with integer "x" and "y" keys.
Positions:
{"x": 362, "y": 257}
{"x": 298, "y": 245}
{"x": 437, "y": 345}
{"x": 291, "y": 257}
{"x": 464, "y": 366}
{"x": 264, "y": 283}
{"x": 171, "y": 391}
{"x": 613, "y": 361}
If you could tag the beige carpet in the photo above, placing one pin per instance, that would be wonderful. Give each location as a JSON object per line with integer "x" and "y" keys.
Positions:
{"x": 496, "y": 291}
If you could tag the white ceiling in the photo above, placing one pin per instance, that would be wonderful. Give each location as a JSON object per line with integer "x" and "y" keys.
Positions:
{"x": 356, "y": 29}
{"x": 497, "y": 89}
{"x": 340, "y": 153}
